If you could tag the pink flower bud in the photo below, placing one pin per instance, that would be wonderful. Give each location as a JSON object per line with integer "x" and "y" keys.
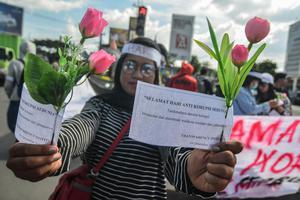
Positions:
{"x": 257, "y": 29}
{"x": 239, "y": 55}
{"x": 92, "y": 23}
{"x": 100, "y": 61}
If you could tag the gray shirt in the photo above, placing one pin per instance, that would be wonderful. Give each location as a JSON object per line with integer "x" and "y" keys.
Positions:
{"x": 12, "y": 79}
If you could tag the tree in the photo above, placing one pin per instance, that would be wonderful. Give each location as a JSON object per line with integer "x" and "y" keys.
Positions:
{"x": 48, "y": 49}
{"x": 266, "y": 66}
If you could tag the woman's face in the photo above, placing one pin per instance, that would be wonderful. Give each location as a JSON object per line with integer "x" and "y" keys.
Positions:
{"x": 254, "y": 84}
{"x": 263, "y": 87}
{"x": 136, "y": 68}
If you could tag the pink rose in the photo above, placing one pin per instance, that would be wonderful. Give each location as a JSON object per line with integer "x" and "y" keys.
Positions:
{"x": 257, "y": 29}
{"x": 239, "y": 55}
{"x": 92, "y": 23}
{"x": 100, "y": 61}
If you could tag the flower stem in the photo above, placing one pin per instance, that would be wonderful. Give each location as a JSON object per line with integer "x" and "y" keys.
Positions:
{"x": 222, "y": 133}
{"x": 87, "y": 76}
{"x": 82, "y": 40}
{"x": 54, "y": 127}
{"x": 250, "y": 46}
{"x": 63, "y": 107}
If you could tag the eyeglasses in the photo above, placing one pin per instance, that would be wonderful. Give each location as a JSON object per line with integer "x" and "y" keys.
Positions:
{"x": 147, "y": 70}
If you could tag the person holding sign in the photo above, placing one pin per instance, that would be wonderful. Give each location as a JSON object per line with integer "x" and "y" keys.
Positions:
{"x": 135, "y": 170}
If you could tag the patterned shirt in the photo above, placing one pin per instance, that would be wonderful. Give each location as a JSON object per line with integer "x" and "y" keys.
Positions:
{"x": 135, "y": 170}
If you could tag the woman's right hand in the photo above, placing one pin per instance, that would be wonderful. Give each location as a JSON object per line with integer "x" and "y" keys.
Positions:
{"x": 33, "y": 162}
{"x": 273, "y": 103}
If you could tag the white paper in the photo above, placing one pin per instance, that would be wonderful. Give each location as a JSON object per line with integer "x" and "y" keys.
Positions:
{"x": 171, "y": 117}
{"x": 35, "y": 123}
{"x": 81, "y": 94}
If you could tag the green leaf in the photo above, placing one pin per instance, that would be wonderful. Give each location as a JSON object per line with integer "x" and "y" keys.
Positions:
{"x": 230, "y": 71}
{"x": 224, "y": 44}
{"x": 59, "y": 52}
{"x": 220, "y": 62}
{"x": 227, "y": 53}
{"x": 246, "y": 68}
{"x": 62, "y": 61}
{"x": 34, "y": 69}
{"x": 52, "y": 88}
{"x": 82, "y": 70}
{"x": 206, "y": 49}
{"x": 220, "y": 80}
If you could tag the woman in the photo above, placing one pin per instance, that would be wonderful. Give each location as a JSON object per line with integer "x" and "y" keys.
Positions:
{"x": 135, "y": 170}
{"x": 245, "y": 103}
{"x": 14, "y": 83}
{"x": 266, "y": 93}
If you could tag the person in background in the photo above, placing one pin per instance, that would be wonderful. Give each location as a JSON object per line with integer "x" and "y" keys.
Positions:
{"x": 245, "y": 102}
{"x": 164, "y": 55}
{"x": 14, "y": 83}
{"x": 218, "y": 91}
{"x": 135, "y": 170}
{"x": 164, "y": 63}
{"x": 2, "y": 78}
{"x": 204, "y": 85}
{"x": 280, "y": 83}
{"x": 266, "y": 92}
{"x": 184, "y": 79}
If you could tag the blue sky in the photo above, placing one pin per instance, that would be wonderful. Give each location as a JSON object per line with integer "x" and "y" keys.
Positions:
{"x": 52, "y": 18}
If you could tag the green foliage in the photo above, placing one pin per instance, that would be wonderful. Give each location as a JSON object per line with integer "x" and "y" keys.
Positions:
{"x": 266, "y": 66}
{"x": 230, "y": 77}
{"x": 35, "y": 67}
{"x": 53, "y": 88}
{"x": 208, "y": 50}
{"x": 47, "y": 85}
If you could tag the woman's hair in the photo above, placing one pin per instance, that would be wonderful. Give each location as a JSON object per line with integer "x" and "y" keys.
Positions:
{"x": 143, "y": 41}
{"x": 248, "y": 80}
{"x": 264, "y": 97}
{"x": 164, "y": 52}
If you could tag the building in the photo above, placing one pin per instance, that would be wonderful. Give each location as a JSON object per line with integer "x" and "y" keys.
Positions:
{"x": 292, "y": 63}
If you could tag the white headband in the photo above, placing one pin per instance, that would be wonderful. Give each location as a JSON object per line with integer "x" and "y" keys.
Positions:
{"x": 143, "y": 51}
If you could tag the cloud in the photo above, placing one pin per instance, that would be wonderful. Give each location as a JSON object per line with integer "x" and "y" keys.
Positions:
{"x": 72, "y": 30}
{"x": 119, "y": 19}
{"x": 48, "y": 5}
{"x": 231, "y": 15}
{"x": 226, "y": 16}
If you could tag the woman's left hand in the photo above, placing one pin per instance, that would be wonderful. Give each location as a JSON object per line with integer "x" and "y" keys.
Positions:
{"x": 211, "y": 171}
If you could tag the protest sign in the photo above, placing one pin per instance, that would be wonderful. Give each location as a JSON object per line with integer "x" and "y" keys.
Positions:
{"x": 269, "y": 165}
{"x": 181, "y": 36}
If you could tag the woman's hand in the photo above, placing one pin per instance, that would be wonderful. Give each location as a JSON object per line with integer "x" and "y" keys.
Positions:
{"x": 273, "y": 103}
{"x": 211, "y": 171}
{"x": 280, "y": 110}
{"x": 33, "y": 162}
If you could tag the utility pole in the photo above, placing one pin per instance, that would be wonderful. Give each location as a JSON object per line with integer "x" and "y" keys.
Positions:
{"x": 100, "y": 41}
